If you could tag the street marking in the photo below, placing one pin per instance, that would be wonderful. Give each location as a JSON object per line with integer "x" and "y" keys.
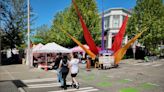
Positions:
{"x": 32, "y": 85}
{"x": 45, "y": 85}
{"x": 21, "y": 89}
{"x": 147, "y": 63}
{"x": 128, "y": 79}
{"x": 54, "y": 71}
{"x": 153, "y": 84}
{"x": 110, "y": 76}
{"x": 144, "y": 64}
{"x": 7, "y": 73}
{"x": 138, "y": 64}
{"x": 157, "y": 65}
{"x": 39, "y": 80}
{"x": 70, "y": 90}
{"x": 88, "y": 90}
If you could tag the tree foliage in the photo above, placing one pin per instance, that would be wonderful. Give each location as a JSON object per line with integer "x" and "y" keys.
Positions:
{"x": 41, "y": 35}
{"x": 13, "y": 17}
{"x": 149, "y": 14}
{"x": 69, "y": 20}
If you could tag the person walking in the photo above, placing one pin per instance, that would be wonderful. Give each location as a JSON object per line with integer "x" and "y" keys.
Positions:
{"x": 74, "y": 68}
{"x": 88, "y": 63}
{"x": 64, "y": 69}
{"x": 55, "y": 66}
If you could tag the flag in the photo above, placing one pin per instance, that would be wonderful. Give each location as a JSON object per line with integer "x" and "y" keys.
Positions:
{"x": 119, "y": 37}
{"x": 91, "y": 54}
{"x": 87, "y": 35}
{"x": 121, "y": 52}
{"x": 102, "y": 34}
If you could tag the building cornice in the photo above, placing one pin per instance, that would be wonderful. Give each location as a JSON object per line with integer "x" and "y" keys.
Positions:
{"x": 111, "y": 9}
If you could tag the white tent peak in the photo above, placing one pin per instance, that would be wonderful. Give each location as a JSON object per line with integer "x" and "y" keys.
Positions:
{"x": 53, "y": 48}
{"x": 37, "y": 47}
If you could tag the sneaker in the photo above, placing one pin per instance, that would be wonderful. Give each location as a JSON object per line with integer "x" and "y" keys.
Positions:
{"x": 65, "y": 88}
{"x": 77, "y": 86}
{"x": 61, "y": 86}
{"x": 73, "y": 85}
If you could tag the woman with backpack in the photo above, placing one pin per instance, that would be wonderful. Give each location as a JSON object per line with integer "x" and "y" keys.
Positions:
{"x": 64, "y": 69}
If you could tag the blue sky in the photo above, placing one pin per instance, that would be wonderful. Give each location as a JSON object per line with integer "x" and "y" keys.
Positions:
{"x": 46, "y": 9}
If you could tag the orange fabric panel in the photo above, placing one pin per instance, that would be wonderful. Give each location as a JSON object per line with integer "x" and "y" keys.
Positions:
{"x": 92, "y": 55}
{"x": 121, "y": 52}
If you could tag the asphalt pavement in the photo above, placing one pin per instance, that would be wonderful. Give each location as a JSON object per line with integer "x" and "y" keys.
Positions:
{"x": 130, "y": 76}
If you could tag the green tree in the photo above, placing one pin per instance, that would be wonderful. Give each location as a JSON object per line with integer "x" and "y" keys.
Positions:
{"x": 41, "y": 34}
{"x": 13, "y": 17}
{"x": 69, "y": 20}
{"x": 150, "y": 14}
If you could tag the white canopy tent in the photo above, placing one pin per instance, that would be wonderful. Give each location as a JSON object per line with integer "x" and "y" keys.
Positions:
{"x": 53, "y": 48}
{"x": 37, "y": 47}
{"x": 79, "y": 49}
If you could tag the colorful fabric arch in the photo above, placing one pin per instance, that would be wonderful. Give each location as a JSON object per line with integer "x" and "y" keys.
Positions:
{"x": 121, "y": 52}
{"x": 91, "y": 54}
{"x": 87, "y": 35}
{"x": 119, "y": 37}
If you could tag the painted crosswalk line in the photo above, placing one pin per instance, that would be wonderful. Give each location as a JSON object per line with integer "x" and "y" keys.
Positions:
{"x": 144, "y": 64}
{"x": 84, "y": 89}
{"x": 39, "y": 80}
{"x": 157, "y": 65}
{"x": 48, "y": 83}
{"x": 153, "y": 84}
{"x": 149, "y": 64}
{"x": 89, "y": 90}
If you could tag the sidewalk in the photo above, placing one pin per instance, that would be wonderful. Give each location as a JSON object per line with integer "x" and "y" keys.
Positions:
{"x": 8, "y": 86}
{"x": 11, "y": 76}
{"x": 22, "y": 72}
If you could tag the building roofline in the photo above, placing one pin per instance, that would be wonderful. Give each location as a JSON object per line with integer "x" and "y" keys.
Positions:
{"x": 119, "y": 8}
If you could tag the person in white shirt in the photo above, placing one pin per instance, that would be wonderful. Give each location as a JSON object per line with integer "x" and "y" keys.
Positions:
{"x": 74, "y": 69}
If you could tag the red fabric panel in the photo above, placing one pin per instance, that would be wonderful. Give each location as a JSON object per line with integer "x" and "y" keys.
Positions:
{"x": 119, "y": 37}
{"x": 87, "y": 35}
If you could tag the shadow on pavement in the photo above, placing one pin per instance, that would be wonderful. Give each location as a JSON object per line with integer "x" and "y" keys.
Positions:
{"x": 12, "y": 86}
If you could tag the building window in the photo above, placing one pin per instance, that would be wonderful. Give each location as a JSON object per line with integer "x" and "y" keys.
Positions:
{"x": 123, "y": 18}
{"x": 106, "y": 22}
{"x": 116, "y": 20}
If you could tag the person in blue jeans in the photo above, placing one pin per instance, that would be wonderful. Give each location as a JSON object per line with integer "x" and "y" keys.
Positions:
{"x": 56, "y": 67}
{"x": 59, "y": 77}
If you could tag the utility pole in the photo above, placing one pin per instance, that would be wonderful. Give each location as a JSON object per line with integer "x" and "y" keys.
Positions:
{"x": 28, "y": 61}
{"x": 0, "y": 44}
{"x": 0, "y": 37}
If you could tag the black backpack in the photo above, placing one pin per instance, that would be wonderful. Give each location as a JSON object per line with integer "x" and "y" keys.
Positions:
{"x": 64, "y": 68}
